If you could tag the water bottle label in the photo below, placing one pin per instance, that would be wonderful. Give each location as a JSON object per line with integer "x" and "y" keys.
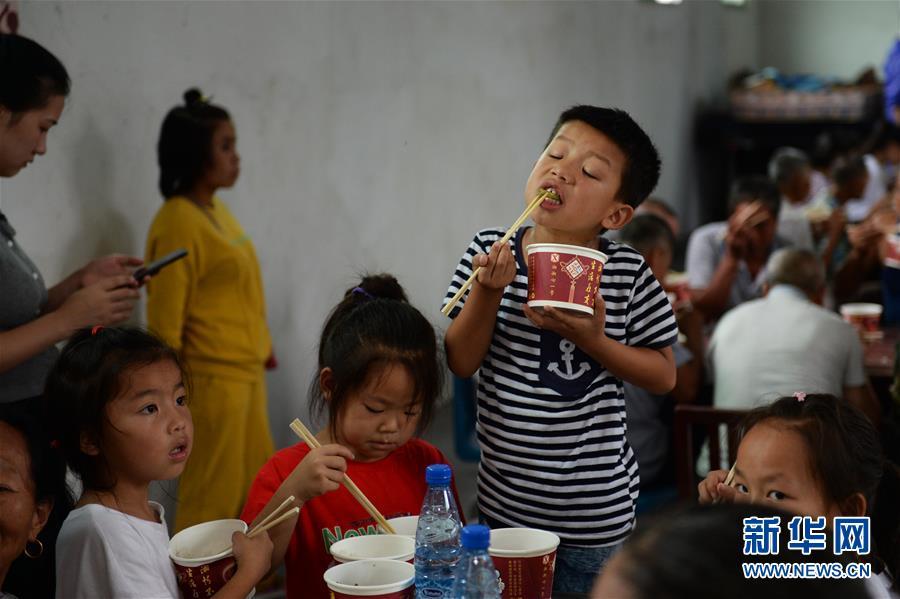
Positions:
{"x": 432, "y": 593}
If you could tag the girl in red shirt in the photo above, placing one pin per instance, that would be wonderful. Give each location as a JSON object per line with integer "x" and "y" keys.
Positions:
{"x": 379, "y": 374}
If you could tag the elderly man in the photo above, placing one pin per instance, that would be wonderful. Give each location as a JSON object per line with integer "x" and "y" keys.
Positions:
{"x": 790, "y": 169}
{"x": 785, "y": 342}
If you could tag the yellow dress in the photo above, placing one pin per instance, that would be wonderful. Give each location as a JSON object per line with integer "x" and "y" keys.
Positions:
{"x": 210, "y": 307}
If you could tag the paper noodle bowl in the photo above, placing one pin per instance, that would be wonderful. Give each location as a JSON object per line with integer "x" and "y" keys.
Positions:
{"x": 525, "y": 558}
{"x": 395, "y": 547}
{"x": 372, "y": 578}
{"x": 865, "y": 318}
{"x": 564, "y": 276}
{"x": 203, "y": 557}
{"x": 403, "y": 525}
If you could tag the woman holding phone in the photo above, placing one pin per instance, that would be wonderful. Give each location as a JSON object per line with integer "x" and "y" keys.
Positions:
{"x": 210, "y": 307}
{"x": 34, "y": 318}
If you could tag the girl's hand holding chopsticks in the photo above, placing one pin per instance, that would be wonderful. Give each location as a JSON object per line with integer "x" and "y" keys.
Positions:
{"x": 253, "y": 556}
{"x": 321, "y": 471}
{"x": 716, "y": 488}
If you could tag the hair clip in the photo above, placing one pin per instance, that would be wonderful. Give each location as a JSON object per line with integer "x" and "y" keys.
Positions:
{"x": 362, "y": 292}
{"x": 96, "y": 329}
{"x": 800, "y": 395}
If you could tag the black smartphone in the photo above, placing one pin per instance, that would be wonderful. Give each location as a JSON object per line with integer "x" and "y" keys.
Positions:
{"x": 157, "y": 265}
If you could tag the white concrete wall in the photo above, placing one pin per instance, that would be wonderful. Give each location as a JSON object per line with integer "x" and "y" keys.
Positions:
{"x": 827, "y": 37}
{"x": 374, "y": 135}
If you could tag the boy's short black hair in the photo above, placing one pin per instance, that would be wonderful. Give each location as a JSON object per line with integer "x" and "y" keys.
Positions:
{"x": 755, "y": 188}
{"x": 646, "y": 232}
{"x": 641, "y": 172}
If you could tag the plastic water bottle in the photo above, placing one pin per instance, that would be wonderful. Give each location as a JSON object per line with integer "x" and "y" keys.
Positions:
{"x": 437, "y": 536}
{"x": 476, "y": 577}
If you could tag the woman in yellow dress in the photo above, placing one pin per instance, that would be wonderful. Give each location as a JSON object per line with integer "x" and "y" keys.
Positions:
{"x": 210, "y": 307}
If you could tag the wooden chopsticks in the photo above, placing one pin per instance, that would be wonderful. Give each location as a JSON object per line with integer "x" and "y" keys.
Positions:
{"x": 509, "y": 233}
{"x": 268, "y": 522}
{"x": 301, "y": 431}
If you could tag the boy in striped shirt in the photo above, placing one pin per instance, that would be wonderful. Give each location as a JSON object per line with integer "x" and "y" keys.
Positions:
{"x": 551, "y": 408}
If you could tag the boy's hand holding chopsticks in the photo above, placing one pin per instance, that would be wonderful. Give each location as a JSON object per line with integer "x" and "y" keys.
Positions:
{"x": 498, "y": 268}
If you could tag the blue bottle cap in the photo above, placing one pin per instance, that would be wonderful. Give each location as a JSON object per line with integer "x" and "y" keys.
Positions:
{"x": 476, "y": 536}
{"x": 438, "y": 474}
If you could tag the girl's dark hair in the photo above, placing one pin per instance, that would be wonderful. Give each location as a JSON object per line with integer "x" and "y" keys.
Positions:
{"x": 846, "y": 457}
{"x": 89, "y": 374}
{"x": 375, "y": 325}
{"x": 185, "y": 142}
{"x": 29, "y": 74}
{"x": 28, "y": 577}
{"x": 697, "y": 552}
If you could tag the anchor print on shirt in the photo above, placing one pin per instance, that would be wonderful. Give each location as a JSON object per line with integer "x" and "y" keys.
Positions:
{"x": 564, "y": 367}
{"x": 568, "y": 354}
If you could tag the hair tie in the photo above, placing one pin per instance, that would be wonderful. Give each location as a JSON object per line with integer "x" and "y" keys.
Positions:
{"x": 54, "y": 444}
{"x": 362, "y": 292}
{"x": 96, "y": 329}
{"x": 800, "y": 395}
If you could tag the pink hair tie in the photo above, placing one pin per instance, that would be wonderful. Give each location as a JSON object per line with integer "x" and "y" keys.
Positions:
{"x": 800, "y": 395}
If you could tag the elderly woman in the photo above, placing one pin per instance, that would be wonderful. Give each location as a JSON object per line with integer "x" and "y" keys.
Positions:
{"x": 34, "y": 501}
{"x": 34, "y": 318}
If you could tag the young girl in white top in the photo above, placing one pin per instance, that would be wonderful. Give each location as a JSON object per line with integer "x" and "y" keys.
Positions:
{"x": 117, "y": 404}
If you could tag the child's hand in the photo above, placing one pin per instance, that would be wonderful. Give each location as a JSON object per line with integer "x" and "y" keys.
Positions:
{"x": 713, "y": 489}
{"x": 580, "y": 330}
{"x": 498, "y": 269}
{"x": 321, "y": 471}
{"x": 253, "y": 556}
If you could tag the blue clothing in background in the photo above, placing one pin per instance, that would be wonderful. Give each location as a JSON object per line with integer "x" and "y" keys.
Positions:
{"x": 892, "y": 81}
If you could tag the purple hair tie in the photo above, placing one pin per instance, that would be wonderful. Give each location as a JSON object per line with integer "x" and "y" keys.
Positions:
{"x": 362, "y": 292}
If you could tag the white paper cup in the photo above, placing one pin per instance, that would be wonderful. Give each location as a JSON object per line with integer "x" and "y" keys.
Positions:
{"x": 404, "y": 525}
{"x": 373, "y": 578}
{"x": 395, "y": 547}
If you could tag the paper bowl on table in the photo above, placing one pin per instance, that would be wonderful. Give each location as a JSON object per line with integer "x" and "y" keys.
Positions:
{"x": 403, "y": 525}
{"x": 865, "y": 318}
{"x": 372, "y": 578}
{"x": 393, "y": 547}
{"x": 203, "y": 556}
{"x": 564, "y": 276}
{"x": 525, "y": 558}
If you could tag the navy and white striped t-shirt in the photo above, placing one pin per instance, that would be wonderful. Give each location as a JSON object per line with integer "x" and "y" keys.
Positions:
{"x": 551, "y": 421}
